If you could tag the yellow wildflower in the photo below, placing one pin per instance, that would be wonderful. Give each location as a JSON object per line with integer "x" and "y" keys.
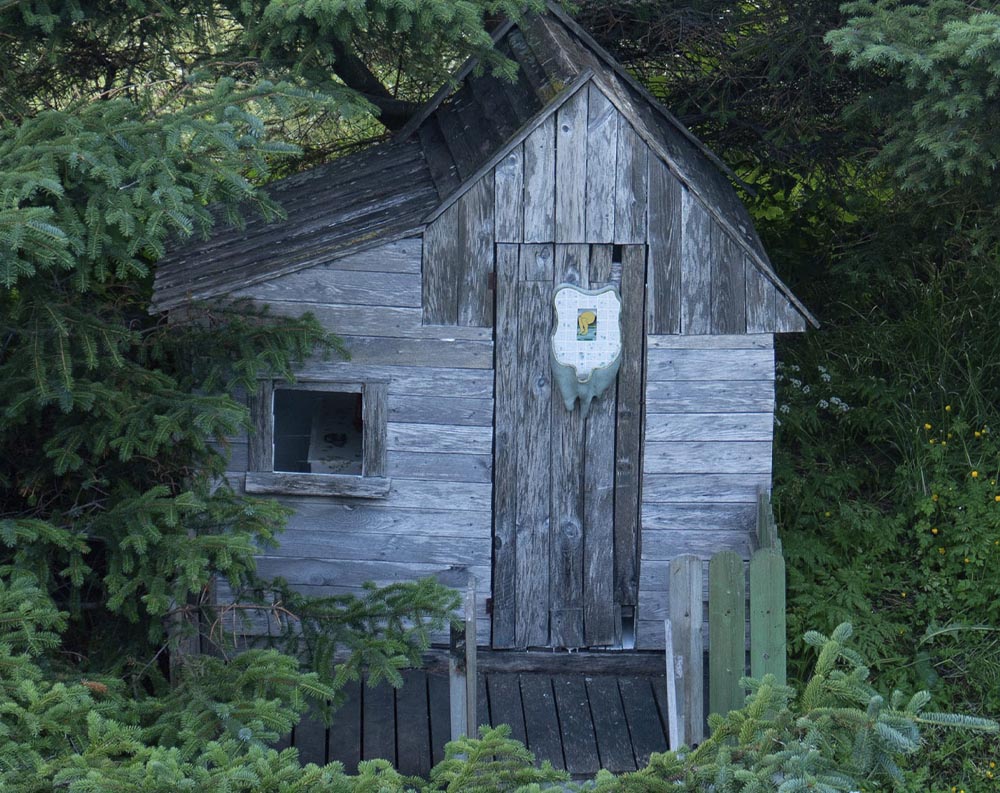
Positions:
{"x": 947, "y": 408}
{"x": 927, "y": 426}
{"x": 934, "y": 530}
{"x": 934, "y": 497}
{"x": 966, "y": 559}
{"x": 941, "y": 551}
{"x": 975, "y": 474}
{"x": 978, "y": 434}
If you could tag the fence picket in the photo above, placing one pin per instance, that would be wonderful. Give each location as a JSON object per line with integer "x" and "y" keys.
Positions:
{"x": 726, "y": 632}
{"x": 767, "y": 614}
{"x": 688, "y": 665}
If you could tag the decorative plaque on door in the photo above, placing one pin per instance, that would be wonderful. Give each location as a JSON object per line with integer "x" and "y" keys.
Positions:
{"x": 586, "y": 342}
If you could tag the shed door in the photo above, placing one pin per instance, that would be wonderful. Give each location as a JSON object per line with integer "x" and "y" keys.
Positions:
{"x": 566, "y": 489}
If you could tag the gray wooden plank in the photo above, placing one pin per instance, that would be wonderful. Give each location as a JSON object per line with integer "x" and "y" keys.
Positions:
{"x": 571, "y": 169}
{"x": 238, "y": 456}
{"x": 602, "y": 266}
{"x": 788, "y": 318}
{"x": 537, "y": 262}
{"x": 751, "y": 341}
{"x": 442, "y": 268}
{"x": 331, "y": 518}
{"x": 416, "y": 380}
{"x": 665, "y": 243}
{"x": 673, "y": 398}
{"x": 539, "y": 183}
{"x": 483, "y": 704}
{"x": 309, "y": 737}
{"x": 631, "y": 186}
{"x": 628, "y": 434}
{"x": 378, "y": 722}
{"x": 344, "y": 735}
{"x": 440, "y": 715}
{"x": 708, "y": 457}
{"x": 442, "y": 438}
{"x": 576, "y": 725}
{"x": 327, "y": 284}
{"x": 645, "y": 728}
{"x": 686, "y": 598}
{"x": 401, "y": 256}
{"x": 601, "y": 625}
{"x": 509, "y": 191}
{"x": 352, "y": 486}
{"x": 407, "y": 409}
{"x": 697, "y": 254}
{"x": 602, "y": 157}
{"x": 475, "y": 299}
{"x": 261, "y": 439}
{"x": 459, "y": 353}
{"x": 567, "y": 450}
{"x": 334, "y": 572}
{"x": 698, "y": 517}
{"x": 703, "y": 488}
{"x": 533, "y": 474}
{"x": 402, "y": 548}
{"x": 375, "y": 406}
{"x": 666, "y": 544}
{"x": 614, "y": 746}
{"x": 441, "y": 467}
{"x": 541, "y": 723}
{"x": 761, "y": 295}
{"x": 393, "y": 321}
{"x": 505, "y": 450}
{"x": 708, "y": 364}
{"x": 709, "y": 426}
{"x": 505, "y": 703}
{"x": 729, "y": 299}
{"x": 413, "y": 739}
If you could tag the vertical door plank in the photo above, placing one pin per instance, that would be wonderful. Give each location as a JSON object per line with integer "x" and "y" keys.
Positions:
{"x": 726, "y": 632}
{"x": 475, "y": 300}
{"x": 509, "y": 184}
{"x": 628, "y": 435}
{"x": 442, "y": 268}
{"x": 571, "y": 168}
{"x": 536, "y": 262}
{"x": 767, "y": 615}
{"x": 601, "y": 625}
{"x": 540, "y": 183}
{"x": 644, "y": 722}
{"x": 696, "y": 267}
{"x": 508, "y": 395}
{"x": 686, "y": 618}
{"x": 260, "y": 454}
{"x": 572, "y": 266}
{"x": 729, "y": 293}
{"x": 345, "y": 730}
{"x": 310, "y": 739}
{"x": 664, "y": 304}
{"x": 631, "y": 186}
{"x": 602, "y": 266}
{"x": 413, "y": 741}
{"x": 440, "y": 714}
{"x": 534, "y": 391}
{"x": 602, "y": 156}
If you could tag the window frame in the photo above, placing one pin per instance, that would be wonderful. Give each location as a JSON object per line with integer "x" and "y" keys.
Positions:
{"x": 372, "y": 482}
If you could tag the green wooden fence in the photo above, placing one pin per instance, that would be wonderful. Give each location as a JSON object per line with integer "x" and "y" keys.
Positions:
{"x": 729, "y": 652}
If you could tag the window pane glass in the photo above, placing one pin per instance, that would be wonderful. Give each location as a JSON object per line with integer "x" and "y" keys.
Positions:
{"x": 317, "y": 432}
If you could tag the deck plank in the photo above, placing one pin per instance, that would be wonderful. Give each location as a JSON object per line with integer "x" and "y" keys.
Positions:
{"x": 413, "y": 740}
{"x": 310, "y": 739}
{"x": 576, "y": 725}
{"x": 610, "y": 725}
{"x": 505, "y": 704}
{"x": 644, "y": 723}
{"x": 378, "y": 723}
{"x": 540, "y": 721}
{"x": 440, "y": 714}
{"x": 343, "y": 742}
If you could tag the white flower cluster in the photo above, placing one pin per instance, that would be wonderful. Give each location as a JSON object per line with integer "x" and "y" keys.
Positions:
{"x": 791, "y": 374}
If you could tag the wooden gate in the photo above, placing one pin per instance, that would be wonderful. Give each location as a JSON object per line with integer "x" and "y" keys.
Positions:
{"x": 566, "y": 489}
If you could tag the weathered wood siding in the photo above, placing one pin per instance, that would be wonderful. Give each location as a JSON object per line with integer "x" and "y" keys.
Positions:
{"x": 436, "y": 519}
{"x": 709, "y": 424}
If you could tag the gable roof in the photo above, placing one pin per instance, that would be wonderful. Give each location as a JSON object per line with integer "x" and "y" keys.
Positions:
{"x": 393, "y": 189}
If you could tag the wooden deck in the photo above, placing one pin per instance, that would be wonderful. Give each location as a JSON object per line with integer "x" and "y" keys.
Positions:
{"x": 578, "y": 722}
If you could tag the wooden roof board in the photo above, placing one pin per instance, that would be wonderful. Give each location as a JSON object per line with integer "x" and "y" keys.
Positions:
{"x": 379, "y": 193}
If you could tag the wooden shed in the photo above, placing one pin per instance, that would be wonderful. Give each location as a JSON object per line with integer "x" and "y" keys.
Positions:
{"x": 444, "y": 446}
